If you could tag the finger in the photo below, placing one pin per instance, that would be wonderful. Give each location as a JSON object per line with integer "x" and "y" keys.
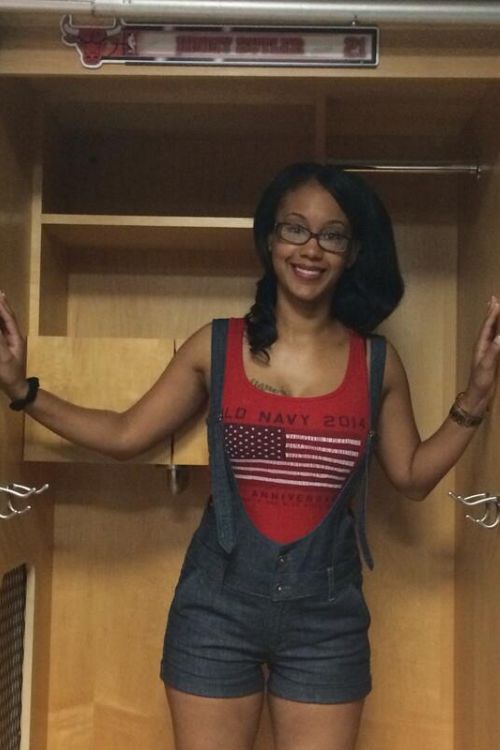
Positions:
{"x": 490, "y": 358}
{"x": 12, "y": 339}
{"x": 3, "y": 342}
{"x": 489, "y": 329}
{"x": 5, "y": 349}
{"x": 4, "y": 304}
{"x": 8, "y": 318}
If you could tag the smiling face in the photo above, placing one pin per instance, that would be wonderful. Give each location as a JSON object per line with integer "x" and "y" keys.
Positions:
{"x": 307, "y": 272}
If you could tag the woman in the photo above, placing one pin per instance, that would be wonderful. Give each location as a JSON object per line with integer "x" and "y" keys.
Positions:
{"x": 273, "y": 576}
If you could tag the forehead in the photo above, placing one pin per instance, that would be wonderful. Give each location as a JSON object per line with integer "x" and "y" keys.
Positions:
{"x": 313, "y": 202}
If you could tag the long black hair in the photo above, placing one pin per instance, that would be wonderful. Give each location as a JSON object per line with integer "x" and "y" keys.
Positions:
{"x": 368, "y": 290}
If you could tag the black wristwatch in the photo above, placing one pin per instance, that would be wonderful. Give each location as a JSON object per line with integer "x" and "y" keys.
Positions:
{"x": 20, "y": 403}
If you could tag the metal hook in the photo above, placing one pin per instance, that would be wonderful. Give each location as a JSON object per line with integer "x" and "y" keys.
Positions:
{"x": 6, "y": 517}
{"x": 471, "y": 500}
{"x": 491, "y": 506}
{"x": 13, "y": 511}
{"x": 489, "y": 501}
{"x": 20, "y": 490}
{"x": 177, "y": 478}
{"x": 42, "y": 489}
{"x": 16, "y": 511}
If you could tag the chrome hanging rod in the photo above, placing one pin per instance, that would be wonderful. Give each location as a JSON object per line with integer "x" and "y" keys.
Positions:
{"x": 399, "y": 168}
{"x": 270, "y": 12}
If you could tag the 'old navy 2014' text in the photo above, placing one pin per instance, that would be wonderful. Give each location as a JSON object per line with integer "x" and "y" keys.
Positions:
{"x": 295, "y": 420}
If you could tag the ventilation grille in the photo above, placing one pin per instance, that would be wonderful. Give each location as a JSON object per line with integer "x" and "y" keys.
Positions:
{"x": 12, "y": 609}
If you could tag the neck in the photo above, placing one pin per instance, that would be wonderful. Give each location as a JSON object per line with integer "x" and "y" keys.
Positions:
{"x": 295, "y": 320}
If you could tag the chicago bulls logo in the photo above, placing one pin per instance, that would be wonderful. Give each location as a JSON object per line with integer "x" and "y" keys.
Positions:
{"x": 97, "y": 43}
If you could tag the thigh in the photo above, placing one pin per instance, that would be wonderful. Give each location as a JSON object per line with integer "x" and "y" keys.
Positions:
{"x": 323, "y": 654}
{"x": 215, "y": 639}
{"x": 214, "y": 723}
{"x": 314, "y": 726}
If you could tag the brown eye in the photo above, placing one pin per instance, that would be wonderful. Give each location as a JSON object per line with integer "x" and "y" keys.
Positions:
{"x": 295, "y": 229}
{"x": 294, "y": 233}
{"x": 332, "y": 236}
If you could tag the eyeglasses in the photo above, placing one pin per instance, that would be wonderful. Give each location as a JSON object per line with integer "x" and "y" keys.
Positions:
{"x": 329, "y": 240}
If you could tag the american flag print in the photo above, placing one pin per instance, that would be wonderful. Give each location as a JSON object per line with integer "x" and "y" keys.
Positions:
{"x": 271, "y": 454}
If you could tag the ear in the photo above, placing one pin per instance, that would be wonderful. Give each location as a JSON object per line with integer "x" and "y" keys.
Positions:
{"x": 353, "y": 254}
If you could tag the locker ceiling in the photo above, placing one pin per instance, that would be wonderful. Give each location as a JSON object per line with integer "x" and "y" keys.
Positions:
{"x": 440, "y": 108}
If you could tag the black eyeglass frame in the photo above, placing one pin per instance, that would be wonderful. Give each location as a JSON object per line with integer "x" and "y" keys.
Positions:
{"x": 316, "y": 235}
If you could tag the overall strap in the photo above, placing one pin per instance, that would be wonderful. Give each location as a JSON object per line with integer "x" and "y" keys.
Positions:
{"x": 221, "y": 485}
{"x": 378, "y": 350}
{"x": 218, "y": 361}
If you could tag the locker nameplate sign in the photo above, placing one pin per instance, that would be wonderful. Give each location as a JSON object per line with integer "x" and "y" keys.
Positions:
{"x": 159, "y": 44}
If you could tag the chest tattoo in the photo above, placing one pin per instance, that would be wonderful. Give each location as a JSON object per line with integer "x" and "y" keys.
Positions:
{"x": 269, "y": 388}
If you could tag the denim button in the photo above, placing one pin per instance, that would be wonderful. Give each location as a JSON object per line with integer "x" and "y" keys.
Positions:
{"x": 282, "y": 559}
{"x": 279, "y": 588}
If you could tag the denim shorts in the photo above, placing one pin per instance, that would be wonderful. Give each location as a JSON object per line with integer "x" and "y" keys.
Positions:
{"x": 219, "y": 637}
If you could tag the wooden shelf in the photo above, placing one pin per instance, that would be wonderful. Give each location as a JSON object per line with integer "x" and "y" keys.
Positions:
{"x": 197, "y": 236}
{"x": 188, "y": 222}
{"x": 90, "y": 372}
{"x": 100, "y": 373}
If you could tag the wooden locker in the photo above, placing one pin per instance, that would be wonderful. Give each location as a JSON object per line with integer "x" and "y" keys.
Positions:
{"x": 477, "y": 610}
{"x": 25, "y": 540}
{"x": 144, "y": 185}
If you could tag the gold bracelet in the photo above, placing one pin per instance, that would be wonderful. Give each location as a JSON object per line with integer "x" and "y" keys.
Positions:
{"x": 462, "y": 417}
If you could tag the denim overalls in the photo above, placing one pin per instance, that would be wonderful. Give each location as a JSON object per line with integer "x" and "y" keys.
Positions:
{"x": 243, "y": 599}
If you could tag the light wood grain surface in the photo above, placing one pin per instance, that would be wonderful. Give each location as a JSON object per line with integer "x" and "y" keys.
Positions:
{"x": 477, "y": 605}
{"x": 105, "y": 288}
{"x": 97, "y": 373}
{"x": 25, "y": 540}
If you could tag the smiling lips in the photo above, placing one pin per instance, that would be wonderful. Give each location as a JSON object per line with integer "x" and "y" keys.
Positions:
{"x": 306, "y": 272}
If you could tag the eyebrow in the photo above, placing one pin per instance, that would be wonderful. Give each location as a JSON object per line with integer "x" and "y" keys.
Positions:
{"x": 329, "y": 221}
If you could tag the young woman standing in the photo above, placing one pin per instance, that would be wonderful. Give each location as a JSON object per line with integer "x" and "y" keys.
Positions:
{"x": 300, "y": 394}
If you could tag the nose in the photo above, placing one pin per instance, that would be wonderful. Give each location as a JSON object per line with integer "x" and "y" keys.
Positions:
{"x": 311, "y": 249}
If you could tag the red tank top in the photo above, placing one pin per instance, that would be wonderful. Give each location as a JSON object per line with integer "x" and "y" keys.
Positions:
{"x": 291, "y": 456}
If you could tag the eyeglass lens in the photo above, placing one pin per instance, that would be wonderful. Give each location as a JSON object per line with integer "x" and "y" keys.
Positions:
{"x": 328, "y": 240}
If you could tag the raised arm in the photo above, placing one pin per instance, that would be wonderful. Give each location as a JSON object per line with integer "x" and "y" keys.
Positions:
{"x": 415, "y": 466}
{"x": 179, "y": 393}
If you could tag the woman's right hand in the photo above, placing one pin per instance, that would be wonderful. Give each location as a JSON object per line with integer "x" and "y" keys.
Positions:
{"x": 12, "y": 353}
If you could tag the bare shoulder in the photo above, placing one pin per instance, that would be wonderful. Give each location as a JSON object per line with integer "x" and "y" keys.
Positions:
{"x": 395, "y": 373}
{"x": 195, "y": 351}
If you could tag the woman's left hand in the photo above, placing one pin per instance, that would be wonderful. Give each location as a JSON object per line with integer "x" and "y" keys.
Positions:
{"x": 482, "y": 379}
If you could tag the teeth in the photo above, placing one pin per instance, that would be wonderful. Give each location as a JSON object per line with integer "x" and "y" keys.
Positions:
{"x": 308, "y": 273}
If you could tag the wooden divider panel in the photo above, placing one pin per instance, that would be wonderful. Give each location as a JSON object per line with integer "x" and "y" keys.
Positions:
{"x": 24, "y": 540}
{"x": 477, "y": 610}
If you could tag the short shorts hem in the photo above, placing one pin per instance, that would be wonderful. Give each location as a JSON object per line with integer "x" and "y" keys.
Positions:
{"x": 207, "y": 688}
{"x": 303, "y": 694}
